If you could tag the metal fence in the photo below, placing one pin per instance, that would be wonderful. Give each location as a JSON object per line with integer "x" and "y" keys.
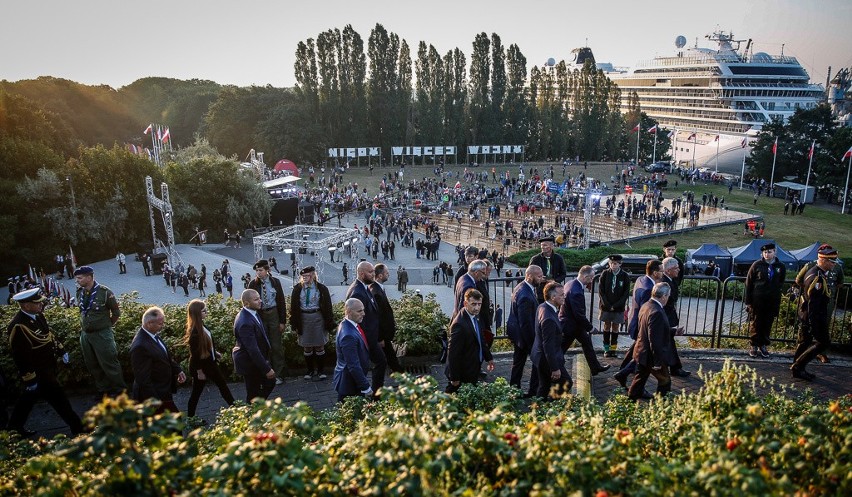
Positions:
{"x": 710, "y": 308}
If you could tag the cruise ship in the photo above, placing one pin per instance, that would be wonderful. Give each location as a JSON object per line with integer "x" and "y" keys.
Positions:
{"x": 717, "y": 99}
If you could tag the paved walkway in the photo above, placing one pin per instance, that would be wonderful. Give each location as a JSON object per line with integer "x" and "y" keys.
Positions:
{"x": 832, "y": 382}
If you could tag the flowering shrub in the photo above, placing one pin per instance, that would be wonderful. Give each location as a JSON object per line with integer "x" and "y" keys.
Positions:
{"x": 725, "y": 439}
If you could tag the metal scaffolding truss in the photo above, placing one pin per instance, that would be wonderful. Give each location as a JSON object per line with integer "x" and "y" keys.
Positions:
{"x": 301, "y": 238}
{"x": 165, "y": 207}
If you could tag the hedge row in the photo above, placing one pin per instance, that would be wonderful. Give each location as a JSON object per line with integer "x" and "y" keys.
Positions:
{"x": 724, "y": 440}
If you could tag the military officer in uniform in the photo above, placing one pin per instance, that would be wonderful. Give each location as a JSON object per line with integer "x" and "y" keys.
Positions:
{"x": 35, "y": 351}
{"x": 99, "y": 311}
{"x": 814, "y": 336}
{"x": 311, "y": 318}
{"x": 763, "y": 285}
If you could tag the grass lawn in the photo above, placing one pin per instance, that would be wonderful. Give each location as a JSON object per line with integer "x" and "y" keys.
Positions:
{"x": 819, "y": 222}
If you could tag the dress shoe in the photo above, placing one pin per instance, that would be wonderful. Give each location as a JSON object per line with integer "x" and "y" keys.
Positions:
{"x": 621, "y": 379}
{"x": 764, "y": 352}
{"x": 823, "y": 359}
{"x": 601, "y": 369}
{"x": 647, "y": 395}
{"x": 680, "y": 373}
{"x": 802, "y": 374}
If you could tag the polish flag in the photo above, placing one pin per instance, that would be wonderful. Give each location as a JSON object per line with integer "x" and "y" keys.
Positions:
{"x": 148, "y": 129}
{"x": 636, "y": 128}
{"x": 811, "y": 151}
{"x": 775, "y": 147}
{"x": 672, "y": 133}
{"x": 847, "y": 154}
{"x": 166, "y": 136}
{"x": 691, "y": 137}
{"x": 744, "y": 142}
{"x": 458, "y": 185}
{"x": 652, "y": 129}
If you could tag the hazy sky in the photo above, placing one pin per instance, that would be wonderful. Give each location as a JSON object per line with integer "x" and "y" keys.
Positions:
{"x": 247, "y": 42}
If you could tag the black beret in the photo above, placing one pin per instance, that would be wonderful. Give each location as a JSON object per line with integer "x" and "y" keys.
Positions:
{"x": 546, "y": 239}
{"x": 84, "y": 270}
{"x": 670, "y": 243}
{"x": 263, "y": 263}
{"x": 768, "y": 246}
{"x": 616, "y": 257}
{"x": 307, "y": 269}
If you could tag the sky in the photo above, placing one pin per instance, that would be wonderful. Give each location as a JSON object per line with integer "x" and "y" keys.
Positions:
{"x": 253, "y": 42}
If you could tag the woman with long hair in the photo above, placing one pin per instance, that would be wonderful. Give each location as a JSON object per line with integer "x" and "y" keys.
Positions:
{"x": 202, "y": 356}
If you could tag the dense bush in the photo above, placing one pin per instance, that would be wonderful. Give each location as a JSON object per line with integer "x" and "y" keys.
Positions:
{"x": 723, "y": 440}
{"x": 419, "y": 325}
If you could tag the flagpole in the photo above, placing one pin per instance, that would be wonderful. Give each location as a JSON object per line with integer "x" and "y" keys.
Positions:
{"x": 718, "y": 142}
{"x": 742, "y": 173}
{"x": 846, "y": 191}
{"x": 638, "y": 129}
{"x": 654, "y": 159}
{"x": 808, "y": 178}
{"x": 675, "y": 148}
{"x": 694, "y": 143}
{"x": 774, "y": 157}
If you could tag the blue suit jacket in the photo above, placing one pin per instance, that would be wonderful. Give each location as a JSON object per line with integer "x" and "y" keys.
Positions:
{"x": 462, "y": 285}
{"x": 353, "y": 360}
{"x": 521, "y": 325}
{"x": 370, "y": 323}
{"x": 641, "y": 294}
{"x": 548, "y": 339}
{"x": 154, "y": 370}
{"x": 572, "y": 314}
{"x": 251, "y": 351}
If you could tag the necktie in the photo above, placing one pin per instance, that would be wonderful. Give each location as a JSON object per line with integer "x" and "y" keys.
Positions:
{"x": 548, "y": 266}
{"x": 363, "y": 336}
{"x": 307, "y": 296}
{"x": 478, "y": 336}
{"x": 263, "y": 292}
{"x": 163, "y": 345}
{"x": 771, "y": 273}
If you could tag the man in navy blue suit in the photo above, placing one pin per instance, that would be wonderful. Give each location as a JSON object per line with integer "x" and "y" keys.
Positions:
{"x": 360, "y": 289}
{"x": 521, "y": 326}
{"x": 547, "y": 351}
{"x": 641, "y": 294}
{"x": 155, "y": 372}
{"x": 476, "y": 271}
{"x": 252, "y": 348}
{"x": 575, "y": 322}
{"x": 353, "y": 354}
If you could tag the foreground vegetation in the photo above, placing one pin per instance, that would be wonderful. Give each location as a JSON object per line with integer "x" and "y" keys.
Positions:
{"x": 723, "y": 440}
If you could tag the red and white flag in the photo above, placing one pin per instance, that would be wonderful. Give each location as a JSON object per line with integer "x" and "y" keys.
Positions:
{"x": 691, "y": 137}
{"x": 458, "y": 185}
{"x": 652, "y": 129}
{"x": 744, "y": 142}
{"x": 775, "y": 147}
{"x": 811, "y": 151}
{"x": 166, "y": 136}
{"x": 847, "y": 154}
{"x": 148, "y": 129}
{"x": 671, "y": 133}
{"x": 636, "y": 128}
{"x": 716, "y": 139}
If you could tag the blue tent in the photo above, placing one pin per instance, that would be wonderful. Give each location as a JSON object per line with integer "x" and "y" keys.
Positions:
{"x": 747, "y": 254}
{"x": 699, "y": 258}
{"x": 807, "y": 254}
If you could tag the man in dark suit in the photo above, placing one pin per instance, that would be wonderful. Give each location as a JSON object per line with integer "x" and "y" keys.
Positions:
{"x": 476, "y": 271}
{"x": 470, "y": 254}
{"x": 575, "y": 322}
{"x": 467, "y": 349}
{"x": 652, "y": 351}
{"x": 671, "y": 269}
{"x": 353, "y": 354}
{"x": 547, "y": 351}
{"x": 252, "y": 348}
{"x": 486, "y": 313}
{"x": 155, "y": 373}
{"x": 273, "y": 313}
{"x": 641, "y": 294}
{"x": 360, "y": 289}
{"x": 387, "y": 322}
{"x": 521, "y": 327}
